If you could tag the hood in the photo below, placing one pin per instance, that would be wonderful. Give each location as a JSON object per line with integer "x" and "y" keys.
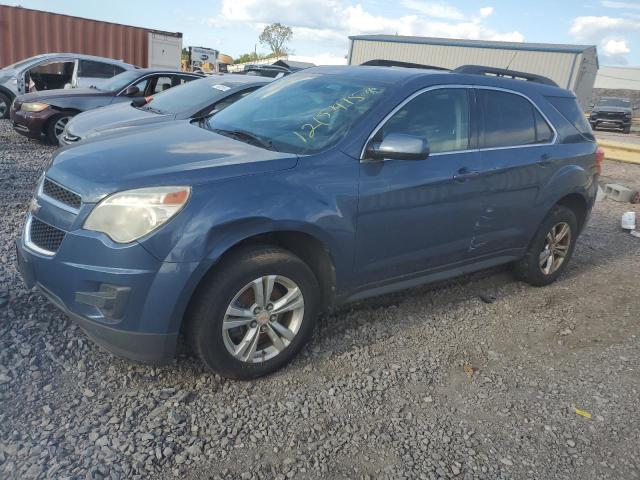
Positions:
{"x": 118, "y": 116}
{"x": 45, "y": 95}
{"x": 175, "y": 153}
{"x": 611, "y": 109}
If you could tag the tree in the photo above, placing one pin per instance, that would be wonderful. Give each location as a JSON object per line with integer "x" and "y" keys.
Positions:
{"x": 247, "y": 57}
{"x": 275, "y": 36}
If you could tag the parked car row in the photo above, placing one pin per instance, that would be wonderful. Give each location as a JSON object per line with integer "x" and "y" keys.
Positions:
{"x": 234, "y": 210}
{"x": 55, "y": 71}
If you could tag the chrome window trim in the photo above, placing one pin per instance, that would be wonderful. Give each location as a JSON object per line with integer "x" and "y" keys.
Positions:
{"x": 57, "y": 203}
{"x": 471, "y": 87}
{"x": 29, "y": 244}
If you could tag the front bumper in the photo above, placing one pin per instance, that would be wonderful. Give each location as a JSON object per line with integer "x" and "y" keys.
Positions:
{"x": 141, "y": 325}
{"x": 29, "y": 124}
{"x": 618, "y": 122}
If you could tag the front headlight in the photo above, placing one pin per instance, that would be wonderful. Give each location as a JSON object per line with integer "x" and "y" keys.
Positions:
{"x": 129, "y": 215}
{"x": 34, "y": 106}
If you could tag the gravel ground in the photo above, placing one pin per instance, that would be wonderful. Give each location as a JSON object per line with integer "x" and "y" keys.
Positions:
{"x": 430, "y": 383}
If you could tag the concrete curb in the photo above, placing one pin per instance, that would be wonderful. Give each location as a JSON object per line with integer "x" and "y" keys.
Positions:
{"x": 621, "y": 152}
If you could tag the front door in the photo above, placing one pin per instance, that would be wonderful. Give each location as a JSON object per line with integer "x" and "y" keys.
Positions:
{"x": 415, "y": 215}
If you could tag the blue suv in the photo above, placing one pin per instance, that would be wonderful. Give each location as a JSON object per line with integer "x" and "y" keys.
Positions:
{"x": 327, "y": 186}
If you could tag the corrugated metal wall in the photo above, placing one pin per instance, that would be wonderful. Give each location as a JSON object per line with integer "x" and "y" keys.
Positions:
{"x": 25, "y": 33}
{"x": 555, "y": 65}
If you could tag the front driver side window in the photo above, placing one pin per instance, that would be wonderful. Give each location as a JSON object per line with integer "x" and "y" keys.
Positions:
{"x": 441, "y": 116}
{"x": 142, "y": 86}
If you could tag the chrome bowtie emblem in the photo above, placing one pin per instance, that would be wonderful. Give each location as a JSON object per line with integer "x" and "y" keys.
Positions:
{"x": 34, "y": 206}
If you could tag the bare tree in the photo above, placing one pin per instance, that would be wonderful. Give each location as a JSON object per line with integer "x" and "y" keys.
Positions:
{"x": 275, "y": 36}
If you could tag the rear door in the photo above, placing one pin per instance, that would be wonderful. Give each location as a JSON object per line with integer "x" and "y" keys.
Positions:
{"x": 515, "y": 143}
{"x": 414, "y": 215}
{"x": 93, "y": 73}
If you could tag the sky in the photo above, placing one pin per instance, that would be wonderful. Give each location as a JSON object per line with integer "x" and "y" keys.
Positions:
{"x": 321, "y": 27}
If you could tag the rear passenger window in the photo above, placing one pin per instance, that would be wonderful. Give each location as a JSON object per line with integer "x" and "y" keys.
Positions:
{"x": 544, "y": 134}
{"x": 510, "y": 120}
{"x": 91, "y": 69}
{"x": 441, "y": 116}
{"x": 569, "y": 109}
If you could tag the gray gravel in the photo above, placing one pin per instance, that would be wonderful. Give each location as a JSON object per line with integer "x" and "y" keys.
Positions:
{"x": 430, "y": 383}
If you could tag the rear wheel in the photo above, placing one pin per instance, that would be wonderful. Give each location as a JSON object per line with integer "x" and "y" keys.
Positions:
{"x": 551, "y": 248}
{"x": 627, "y": 130}
{"x": 5, "y": 103}
{"x": 254, "y": 313}
{"x": 56, "y": 126}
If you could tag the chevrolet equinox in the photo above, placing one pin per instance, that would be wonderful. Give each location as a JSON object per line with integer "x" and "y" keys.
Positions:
{"x": 327, "y": 186}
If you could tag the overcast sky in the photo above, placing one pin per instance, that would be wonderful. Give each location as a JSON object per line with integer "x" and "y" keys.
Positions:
{"x": 321, "y": 27}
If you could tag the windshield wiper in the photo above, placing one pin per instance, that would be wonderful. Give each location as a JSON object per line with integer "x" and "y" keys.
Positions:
{"x": 245, "y": 136}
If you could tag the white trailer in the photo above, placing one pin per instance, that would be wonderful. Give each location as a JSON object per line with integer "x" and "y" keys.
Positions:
{"x": 165, "y": 50}
{"x": 571, "y": 66}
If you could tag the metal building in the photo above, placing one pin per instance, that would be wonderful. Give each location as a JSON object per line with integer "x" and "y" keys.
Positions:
{"x": 25, "y": 32}
{"x": 618, "y": 78}
{"x": 570, "y": 66}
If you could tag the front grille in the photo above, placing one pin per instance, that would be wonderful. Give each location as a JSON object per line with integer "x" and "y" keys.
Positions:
{"x": 61, "y": 194}
{"x": 45, "y": 236}
{"x": 612, "y": 115}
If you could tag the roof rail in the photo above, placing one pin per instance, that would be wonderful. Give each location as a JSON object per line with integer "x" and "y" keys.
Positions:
{"x": 394, "y": 63}
{"x": 503, "y": 72}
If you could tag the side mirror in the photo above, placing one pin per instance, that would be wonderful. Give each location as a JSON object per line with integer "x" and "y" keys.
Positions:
{"x": 131, "y": 91}
{"x": 398, "y": 146}
{"x": 138, "y": 102}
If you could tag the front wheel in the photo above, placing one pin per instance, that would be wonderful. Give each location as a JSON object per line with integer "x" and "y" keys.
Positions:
{"x": 56, "y": 126}
{"x": 551, "y": 248}
{"x": 5, "y": 103}
{"x": 254, "y": 313}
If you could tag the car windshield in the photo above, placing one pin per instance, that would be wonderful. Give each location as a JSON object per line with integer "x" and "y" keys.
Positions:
{"x": 614, "y": 102}
{"x": 120, "y": 81}
{"x": 303, "y": 113}
{"x": 189, "y": 96}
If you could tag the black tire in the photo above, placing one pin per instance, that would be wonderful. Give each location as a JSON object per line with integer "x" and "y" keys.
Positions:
{"x": 50, "y": 129}
{"x": 528, "y": 268}
{"x": 5, "y": 105}
{"x": 207, "y": 310}
{"x": 593, "y": 127}
{"x": 627, "y": 130}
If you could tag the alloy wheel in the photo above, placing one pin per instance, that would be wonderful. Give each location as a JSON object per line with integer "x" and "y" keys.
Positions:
{"x": 263, "y": 318}
{"x": 556, "y": 248}
{"x": 58, "y": 127}
{"x": 3, "y": 108}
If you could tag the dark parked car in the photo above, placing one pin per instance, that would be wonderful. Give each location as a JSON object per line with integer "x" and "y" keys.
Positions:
{"x": 196, "y": 99}
{"x": 52, "y": 71}
{"x": 330, "y": 185}
{"x": 45, "y": 114}
{"x": 612, "y": 112}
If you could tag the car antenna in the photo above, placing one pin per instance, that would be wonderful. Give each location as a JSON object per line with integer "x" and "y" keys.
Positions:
{"x": 512, "y": 59}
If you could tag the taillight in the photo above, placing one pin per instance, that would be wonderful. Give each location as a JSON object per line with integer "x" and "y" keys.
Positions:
{"x": 599, "y": 159}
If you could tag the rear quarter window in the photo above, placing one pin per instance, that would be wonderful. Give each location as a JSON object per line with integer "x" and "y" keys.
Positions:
{"x": 568, "y": 107}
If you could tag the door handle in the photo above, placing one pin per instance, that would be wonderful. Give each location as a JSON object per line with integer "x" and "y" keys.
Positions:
{"x": 465, "y": 174}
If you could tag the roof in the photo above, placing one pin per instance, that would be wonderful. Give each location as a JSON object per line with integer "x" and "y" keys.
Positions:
{"x": 293, "y": 64}
{"x": 232, "y": 78}
{"x": 80, "y": 56}
{"x": 392, "y": 75}
{"x": 453, "y": 42}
